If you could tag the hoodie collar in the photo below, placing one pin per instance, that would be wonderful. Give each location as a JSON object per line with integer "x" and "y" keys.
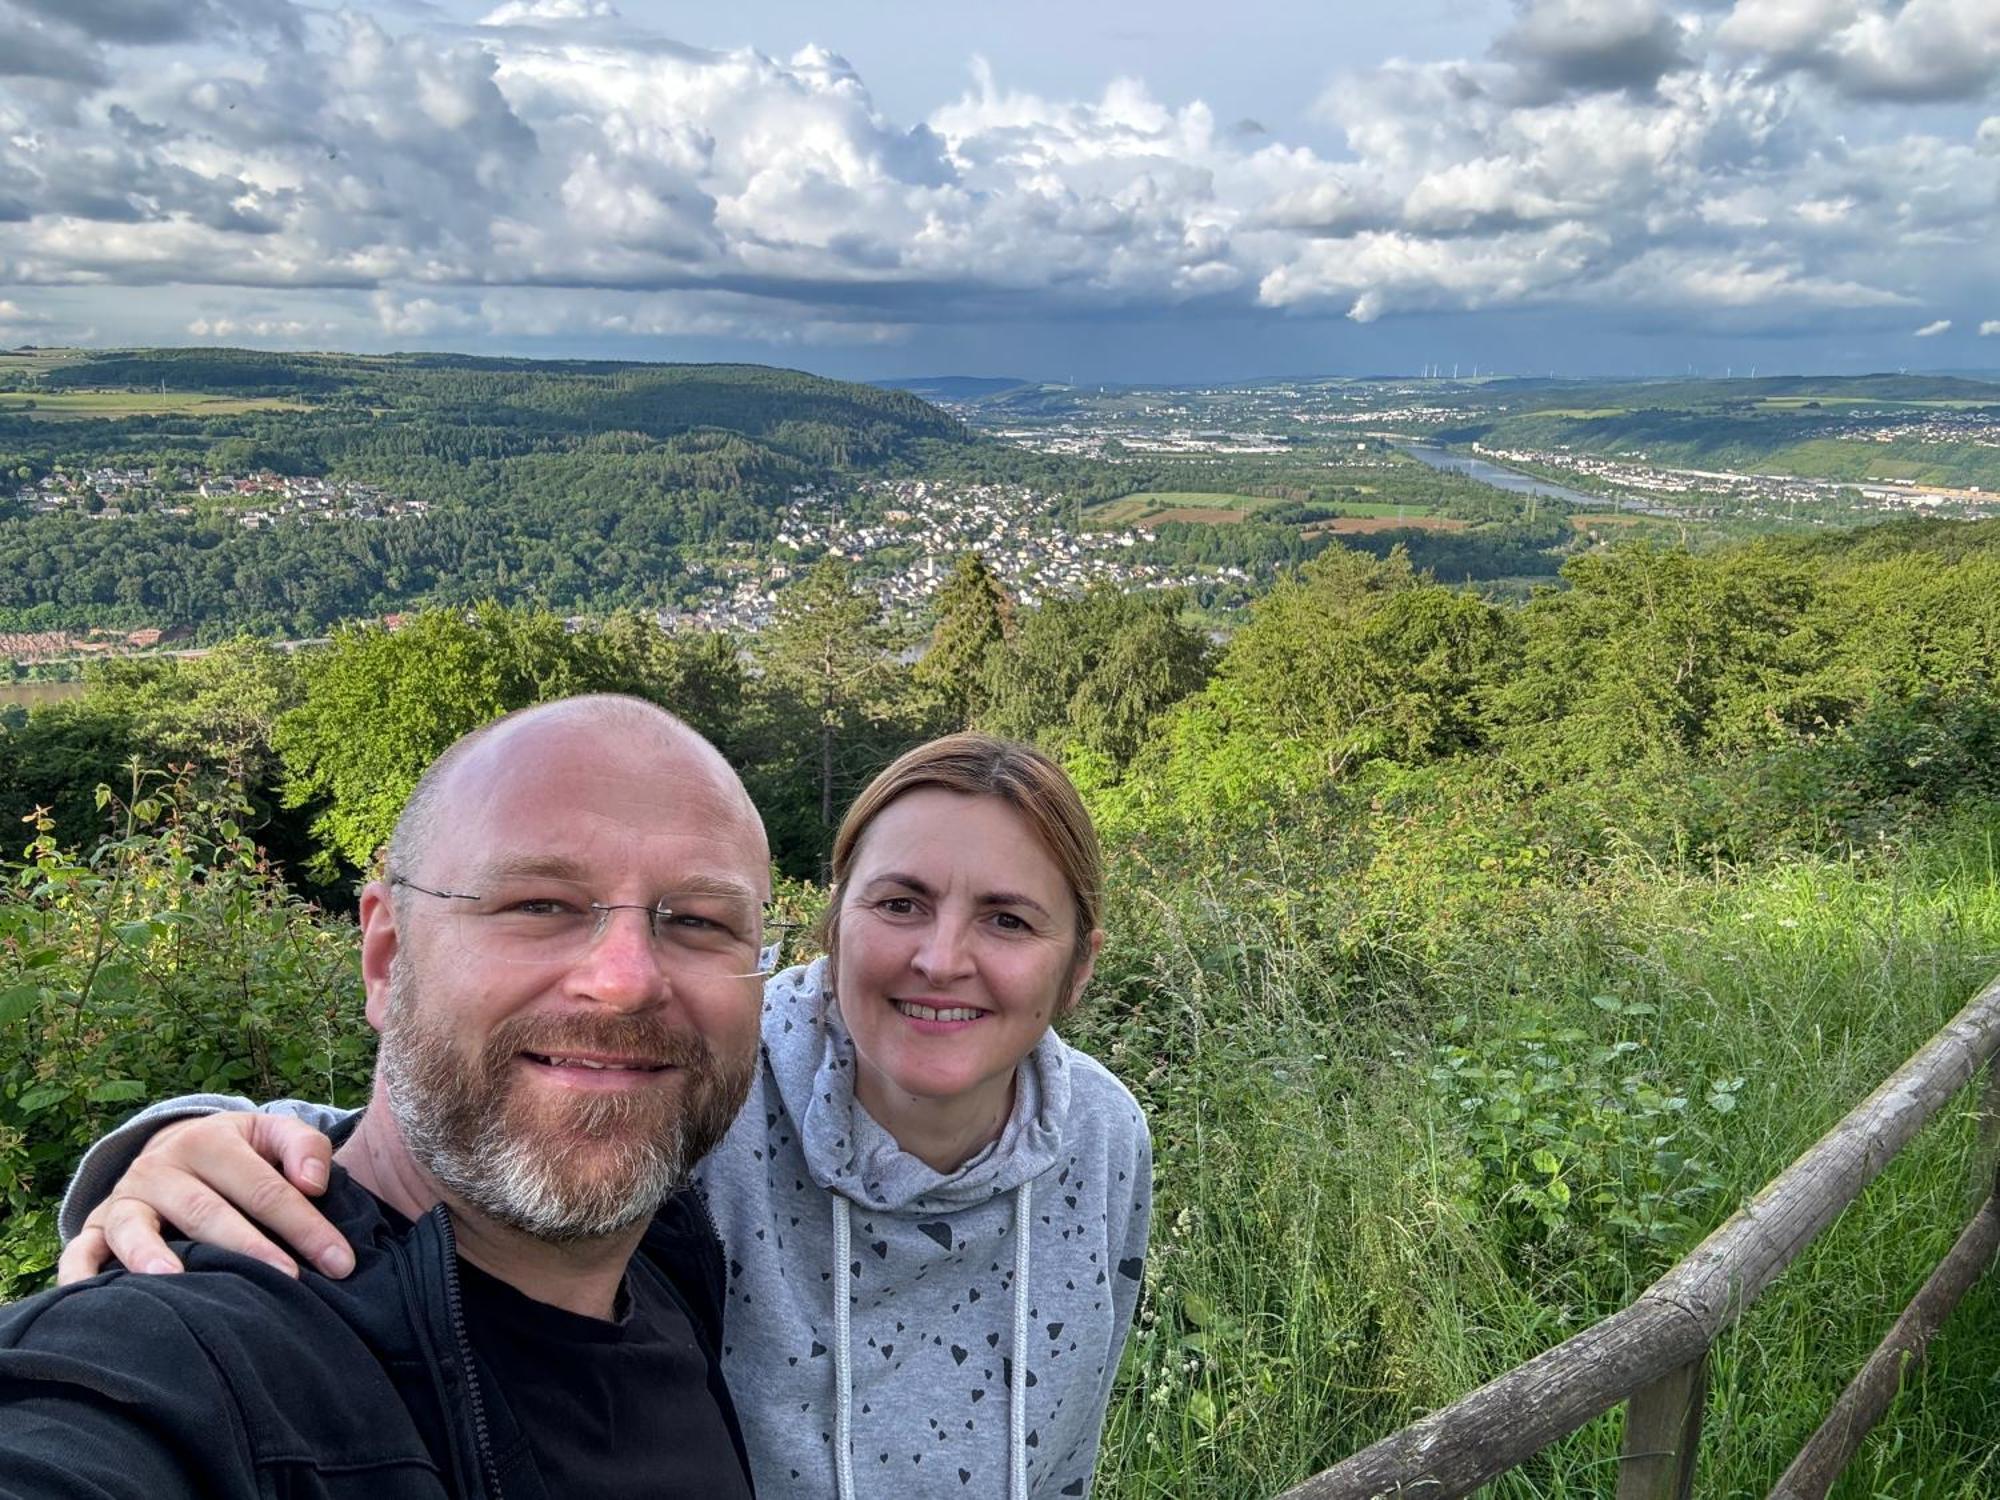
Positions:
{"x": 811, "y": 1058}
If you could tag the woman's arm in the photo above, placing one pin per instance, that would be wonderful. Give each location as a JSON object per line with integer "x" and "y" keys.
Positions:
{"x": 218, "y": 1171}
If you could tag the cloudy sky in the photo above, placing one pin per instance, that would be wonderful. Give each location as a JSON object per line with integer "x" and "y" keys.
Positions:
{"x": 1092, "y": 189}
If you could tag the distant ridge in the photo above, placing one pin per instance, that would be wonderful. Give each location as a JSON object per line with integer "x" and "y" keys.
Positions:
{"x": 951, "y": 387}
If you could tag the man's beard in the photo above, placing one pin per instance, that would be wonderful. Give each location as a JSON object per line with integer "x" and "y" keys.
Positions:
{"x": 561, "y": 1169}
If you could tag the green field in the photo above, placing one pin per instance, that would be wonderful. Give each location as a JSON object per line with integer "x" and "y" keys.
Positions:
{"x": 36, "y": 362}
{"x": 69, "y": 406}
{"x": 1384, "y": 508}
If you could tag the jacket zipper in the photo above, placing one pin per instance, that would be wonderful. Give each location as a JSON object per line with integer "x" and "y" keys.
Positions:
{"x": 455, "y": 1310}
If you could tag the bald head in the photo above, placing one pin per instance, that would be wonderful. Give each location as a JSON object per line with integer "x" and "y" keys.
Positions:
{"x": 573, "y": 737}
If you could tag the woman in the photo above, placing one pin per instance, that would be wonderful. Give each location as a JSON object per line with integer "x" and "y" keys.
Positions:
{"x": 917, "y": 1135}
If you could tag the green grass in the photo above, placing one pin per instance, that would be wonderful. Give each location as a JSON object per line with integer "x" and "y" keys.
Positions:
{"x": 36, "y": 362}
{"x": 1383, "y": 508}
{"x": 72, "y": 405}
{"x": 1330, "y": 1262}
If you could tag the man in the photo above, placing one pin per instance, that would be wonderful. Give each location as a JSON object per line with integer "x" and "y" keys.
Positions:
{"x": 562, "y": 964}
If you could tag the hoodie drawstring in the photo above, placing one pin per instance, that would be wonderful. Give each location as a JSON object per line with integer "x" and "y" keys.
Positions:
{"x": 1017, "y": 1393}
{"x": 843, "y": 1371}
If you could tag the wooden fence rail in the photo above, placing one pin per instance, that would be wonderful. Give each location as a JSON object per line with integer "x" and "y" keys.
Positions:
{"x": 1653, "y": 1353}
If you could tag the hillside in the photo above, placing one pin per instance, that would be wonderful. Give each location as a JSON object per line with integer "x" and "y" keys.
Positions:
{"x": 577, "y": 484}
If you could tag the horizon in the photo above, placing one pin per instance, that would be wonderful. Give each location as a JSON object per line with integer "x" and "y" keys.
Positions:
{"x": 1977, "y": 374}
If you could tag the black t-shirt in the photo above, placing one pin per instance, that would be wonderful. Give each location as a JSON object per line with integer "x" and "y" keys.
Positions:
{"x": 609, "y": 1409}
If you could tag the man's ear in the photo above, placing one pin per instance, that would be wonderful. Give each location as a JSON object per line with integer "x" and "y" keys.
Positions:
{"x": 380, "y": 942}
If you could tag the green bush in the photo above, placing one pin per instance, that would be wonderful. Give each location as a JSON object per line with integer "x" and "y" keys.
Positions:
{"x": 167, "y": 958}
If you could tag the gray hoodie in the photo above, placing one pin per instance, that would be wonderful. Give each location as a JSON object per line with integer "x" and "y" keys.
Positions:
{"x": 966, "y": 1358}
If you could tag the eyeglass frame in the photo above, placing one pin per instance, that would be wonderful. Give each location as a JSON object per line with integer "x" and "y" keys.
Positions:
{"x": 768, "y": 954}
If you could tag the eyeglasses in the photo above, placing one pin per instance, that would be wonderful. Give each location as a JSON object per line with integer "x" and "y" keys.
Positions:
{"x": 542, "y": 920}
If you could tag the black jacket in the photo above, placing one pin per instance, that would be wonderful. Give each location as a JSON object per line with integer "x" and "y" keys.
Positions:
{"x": 235, "y": 1382}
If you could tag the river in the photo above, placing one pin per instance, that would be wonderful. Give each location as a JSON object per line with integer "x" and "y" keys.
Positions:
{"x": 1499, "y": 478}
{"x": 35, "y": 694}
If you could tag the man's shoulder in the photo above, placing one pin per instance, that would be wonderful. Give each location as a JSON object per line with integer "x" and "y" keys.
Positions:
{"x": 230, "y": 1344}
{"x": 218, "y": 1289}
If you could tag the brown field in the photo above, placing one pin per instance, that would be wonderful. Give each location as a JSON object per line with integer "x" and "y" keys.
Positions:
{"x": 1200, "y": 515}
{"x": 1358, "y": 525}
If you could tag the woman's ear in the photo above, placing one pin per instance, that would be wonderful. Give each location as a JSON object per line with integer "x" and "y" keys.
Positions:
{"x": 1084, "y": 970}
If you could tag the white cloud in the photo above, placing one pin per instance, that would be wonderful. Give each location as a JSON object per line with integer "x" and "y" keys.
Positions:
{"x": 1919, "y": 50}
{"x": 1990, "y": 328}
{"x": 281, "y": 329}
{"x": 1932, "y": 330}
{"x": 18, "y": 319}
{"x": 549, "y": 12}
{"x": 545, "y": 174}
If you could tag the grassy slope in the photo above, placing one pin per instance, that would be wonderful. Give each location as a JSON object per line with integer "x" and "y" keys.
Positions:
{"x": 1328, "y": 1266}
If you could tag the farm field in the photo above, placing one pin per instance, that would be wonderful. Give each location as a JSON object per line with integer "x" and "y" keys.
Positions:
{"x": 1364, "y": 525}
{"x": 1178, "y": 505}
{"x": 59, "y": 406}
{"x": 36, "y": 362}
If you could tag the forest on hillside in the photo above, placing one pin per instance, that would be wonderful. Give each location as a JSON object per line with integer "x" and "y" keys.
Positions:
{"x": 1471, "y": 959}
{"x": 569, "y": 484}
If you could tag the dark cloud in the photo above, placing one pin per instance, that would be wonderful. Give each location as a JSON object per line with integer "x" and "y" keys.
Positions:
{"x": 154, "y": 22}
{"x": 32, "y": 48}
{"x": 1591, "y": 46}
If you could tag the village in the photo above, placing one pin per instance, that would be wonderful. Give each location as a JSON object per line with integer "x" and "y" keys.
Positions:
{"x": 1757, "y": 495}
{"x": 253, "y": 501}
{"x": 903, "y": 534}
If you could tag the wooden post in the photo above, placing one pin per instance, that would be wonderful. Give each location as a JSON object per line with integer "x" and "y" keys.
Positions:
{"x": 1662, "y": 1434}
{"x": 1986, "y": 1162}
{"x": 1665, "y": 1334}
{"x": 1869, "y": 1395}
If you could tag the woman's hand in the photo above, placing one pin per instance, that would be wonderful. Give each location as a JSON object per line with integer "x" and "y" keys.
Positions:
{"x": 220, "y": 1179}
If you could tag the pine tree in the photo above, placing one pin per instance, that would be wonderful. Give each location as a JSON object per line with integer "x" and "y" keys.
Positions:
{"x": 973, "y": 615}
{"x": 828, "y": 645}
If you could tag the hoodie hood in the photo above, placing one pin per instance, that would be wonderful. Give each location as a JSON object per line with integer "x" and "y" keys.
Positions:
{"x": 811, "y": 1058}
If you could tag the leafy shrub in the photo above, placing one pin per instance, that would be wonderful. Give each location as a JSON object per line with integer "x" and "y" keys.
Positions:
{"x": 1578, "y": 1147}
{"x": 166, "y": 959}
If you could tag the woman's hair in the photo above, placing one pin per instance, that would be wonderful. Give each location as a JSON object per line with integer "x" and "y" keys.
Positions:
{"x": 980, "y": 765}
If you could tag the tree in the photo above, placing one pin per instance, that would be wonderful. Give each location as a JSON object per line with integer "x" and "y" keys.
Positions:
{"x": 379, "y": 706}
{"x": 827, "y": 645}
{"x": 1093, "y": 672}
{"x": 973, "y": 615}
{"x": 217, "y": 709}
{"x": 56, "y": 758}
{"x": 1351, "y": 660}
